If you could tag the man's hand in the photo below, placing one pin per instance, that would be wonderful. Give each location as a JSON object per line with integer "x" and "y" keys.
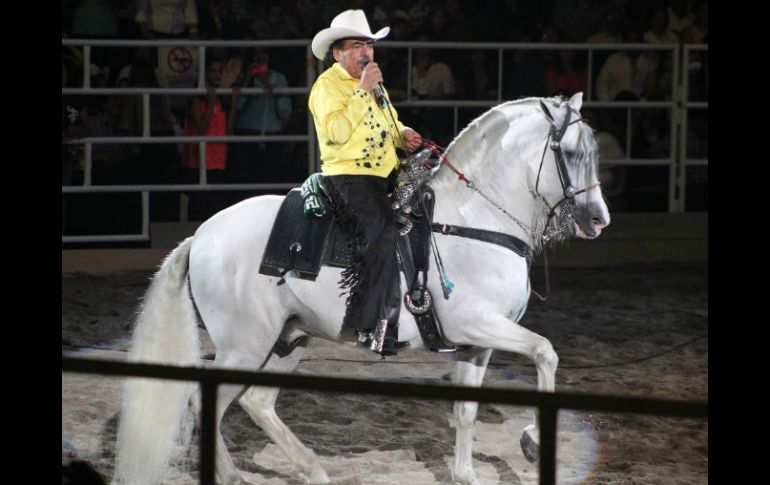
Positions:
{"x": 370, "y": 76}
{"x": 413, "y": 140}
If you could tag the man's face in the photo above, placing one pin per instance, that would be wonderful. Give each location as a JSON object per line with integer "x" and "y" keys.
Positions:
{"x": 353, "y": 53}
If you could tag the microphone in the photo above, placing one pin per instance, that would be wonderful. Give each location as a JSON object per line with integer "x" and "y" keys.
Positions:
{"x": 379, "y": 92}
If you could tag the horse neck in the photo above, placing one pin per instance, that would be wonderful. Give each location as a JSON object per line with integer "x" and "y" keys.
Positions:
{"x": 501, "y": 174}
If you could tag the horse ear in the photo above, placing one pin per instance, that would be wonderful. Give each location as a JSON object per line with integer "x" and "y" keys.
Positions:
{"x": 576, "y": 101}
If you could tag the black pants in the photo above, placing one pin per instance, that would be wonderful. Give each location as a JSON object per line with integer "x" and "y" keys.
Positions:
{"x": 362, "y": 210}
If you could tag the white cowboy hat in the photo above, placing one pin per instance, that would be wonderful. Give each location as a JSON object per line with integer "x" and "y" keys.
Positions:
{"x": 350, "y": 23}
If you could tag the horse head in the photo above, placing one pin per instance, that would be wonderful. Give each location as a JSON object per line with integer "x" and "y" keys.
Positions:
{"x": 534, "y": 167}
{"x": 566, "y": 172}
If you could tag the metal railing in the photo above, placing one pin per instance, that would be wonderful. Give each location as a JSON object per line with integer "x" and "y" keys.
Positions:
{"x": 686, "y": 104}
{"x": 677, "y": 161}
{"x": 548, "y": 404}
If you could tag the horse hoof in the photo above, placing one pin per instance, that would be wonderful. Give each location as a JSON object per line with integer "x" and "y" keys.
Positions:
{"x": 529, "y": 447}
{"x": 318, "y": 477}
{"x": 467, "y": 477}
{"x": 319, "y": 481}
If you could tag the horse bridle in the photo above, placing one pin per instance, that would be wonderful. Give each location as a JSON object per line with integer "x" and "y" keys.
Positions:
{"x": 553, "y": 142}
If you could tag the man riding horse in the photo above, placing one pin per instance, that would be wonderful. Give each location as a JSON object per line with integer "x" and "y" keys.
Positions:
{"x": 358, "y": 132}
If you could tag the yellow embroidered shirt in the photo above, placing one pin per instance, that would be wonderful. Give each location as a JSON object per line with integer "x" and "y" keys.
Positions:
{"x": 355, "y": 135}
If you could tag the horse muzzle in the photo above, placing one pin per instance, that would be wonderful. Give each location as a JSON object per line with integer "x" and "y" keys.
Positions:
{"x": 588, "y": 221}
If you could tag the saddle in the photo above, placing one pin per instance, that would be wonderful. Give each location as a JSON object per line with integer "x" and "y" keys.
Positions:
{"x": 305, "y": 237}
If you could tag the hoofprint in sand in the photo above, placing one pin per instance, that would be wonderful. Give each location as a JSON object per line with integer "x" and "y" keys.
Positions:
{"x": 593, "y": 318}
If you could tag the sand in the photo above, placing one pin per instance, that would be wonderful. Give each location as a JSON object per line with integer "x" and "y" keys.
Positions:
{"x": 629, "y": 331}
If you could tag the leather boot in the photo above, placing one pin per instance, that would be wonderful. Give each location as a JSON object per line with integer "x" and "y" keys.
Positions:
{"x": 385, "y": 338}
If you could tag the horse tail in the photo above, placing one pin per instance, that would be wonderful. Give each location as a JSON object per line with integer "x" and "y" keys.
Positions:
{"x": 156, "y": 422}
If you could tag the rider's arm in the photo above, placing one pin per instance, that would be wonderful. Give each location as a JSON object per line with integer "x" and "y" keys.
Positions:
{"x": 338, "y": 114}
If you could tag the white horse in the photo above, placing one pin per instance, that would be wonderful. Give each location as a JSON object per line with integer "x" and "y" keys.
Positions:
{"x": 506, "y": 153}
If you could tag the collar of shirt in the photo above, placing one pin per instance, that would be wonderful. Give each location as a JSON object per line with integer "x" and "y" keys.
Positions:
{"x": 342, "y": 72}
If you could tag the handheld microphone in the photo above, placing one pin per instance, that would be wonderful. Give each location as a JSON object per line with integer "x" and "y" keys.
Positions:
{"x": 379, "y": 92}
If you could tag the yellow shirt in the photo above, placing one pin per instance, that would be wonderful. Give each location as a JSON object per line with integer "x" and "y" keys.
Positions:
{"x": 355, "y": 135}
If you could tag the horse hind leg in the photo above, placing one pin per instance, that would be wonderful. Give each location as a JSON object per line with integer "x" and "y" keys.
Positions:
{"x": 469, "y": 371}
{"x": 259, "y": 403}
{"x": 226, "y": 471}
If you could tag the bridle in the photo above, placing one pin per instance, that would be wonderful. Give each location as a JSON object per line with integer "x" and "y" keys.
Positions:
{"x": 553, "y": 141}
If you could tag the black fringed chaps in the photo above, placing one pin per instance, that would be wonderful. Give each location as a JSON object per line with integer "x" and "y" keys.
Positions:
{"x": 362, "y": 211}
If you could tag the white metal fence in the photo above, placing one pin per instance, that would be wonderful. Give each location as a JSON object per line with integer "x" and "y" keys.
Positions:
{"x": 678, "y": 104}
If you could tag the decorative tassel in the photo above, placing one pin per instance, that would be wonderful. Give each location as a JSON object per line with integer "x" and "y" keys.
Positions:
{"x": 446, "y": 284}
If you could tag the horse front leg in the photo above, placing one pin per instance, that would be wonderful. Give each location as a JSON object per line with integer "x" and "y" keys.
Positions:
{"x": 498, "y": 332}
{"x": 469, "y": 371}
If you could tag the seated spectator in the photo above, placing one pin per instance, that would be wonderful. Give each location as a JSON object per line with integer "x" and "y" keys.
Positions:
{"x": 431, "y": 79}
{"x": 624, "y": 71}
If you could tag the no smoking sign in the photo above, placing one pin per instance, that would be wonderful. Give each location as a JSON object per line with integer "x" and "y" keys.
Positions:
{"x": 179, "y": 60}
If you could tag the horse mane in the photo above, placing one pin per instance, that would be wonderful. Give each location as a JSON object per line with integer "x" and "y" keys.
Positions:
{"x": 486, "y": 123}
